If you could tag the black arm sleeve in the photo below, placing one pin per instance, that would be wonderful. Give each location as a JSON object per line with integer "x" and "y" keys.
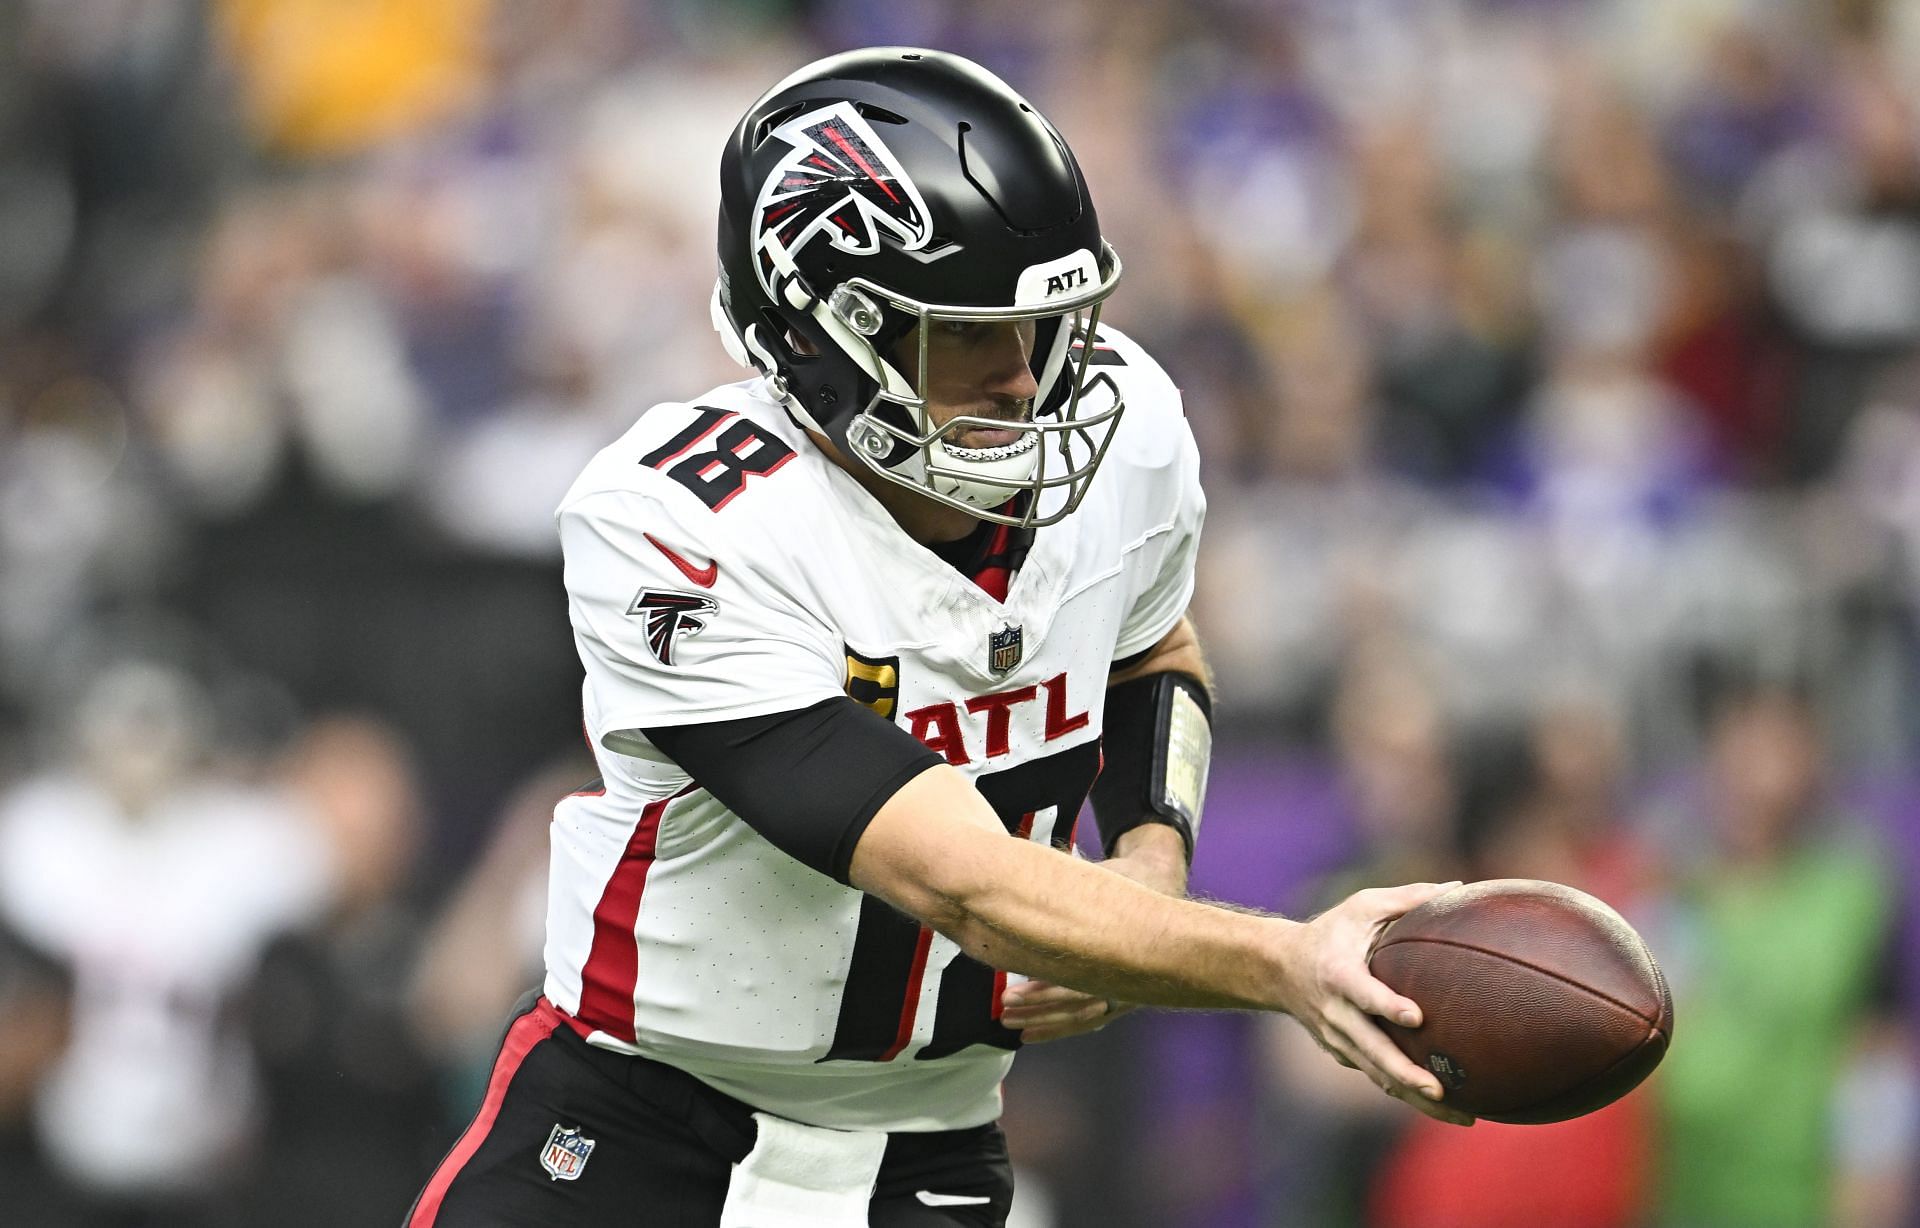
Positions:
{"x": 809, "y": 780}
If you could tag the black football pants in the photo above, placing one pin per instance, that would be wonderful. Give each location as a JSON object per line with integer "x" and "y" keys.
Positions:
{"x": 663, "y": 1147}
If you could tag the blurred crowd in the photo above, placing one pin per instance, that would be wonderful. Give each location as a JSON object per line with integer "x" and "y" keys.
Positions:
{"x": 1556, "y": 370}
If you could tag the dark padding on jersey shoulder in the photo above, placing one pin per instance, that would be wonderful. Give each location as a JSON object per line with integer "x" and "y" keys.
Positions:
{"x": 809, "y": 780}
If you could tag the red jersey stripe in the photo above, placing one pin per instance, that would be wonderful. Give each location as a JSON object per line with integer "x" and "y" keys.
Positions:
{"x": 910, "y": 1006}
{"x": 995, "y": 576}
{"x": 613, "y": 961}
{"x": 527, "y": 1031}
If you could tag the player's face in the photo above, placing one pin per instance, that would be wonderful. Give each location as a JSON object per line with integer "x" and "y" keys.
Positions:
{"x": 976, "y": 369}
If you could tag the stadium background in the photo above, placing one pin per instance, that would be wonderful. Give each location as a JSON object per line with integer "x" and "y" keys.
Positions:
{"x": 1556, "y": 369}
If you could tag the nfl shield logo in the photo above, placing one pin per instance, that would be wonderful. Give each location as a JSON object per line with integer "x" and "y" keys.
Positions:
{"x": 1003, "y": 649}
{"x": 565, "y": 1155}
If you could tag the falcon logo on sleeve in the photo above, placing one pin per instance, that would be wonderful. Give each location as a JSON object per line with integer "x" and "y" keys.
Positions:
{"x": 840, "y": 182}
{"x": 670, "y": 614}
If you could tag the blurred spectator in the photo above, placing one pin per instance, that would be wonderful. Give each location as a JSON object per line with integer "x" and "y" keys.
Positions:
{"x": 482, "y": 950}
{"x": 1837, "y": 220}
{"x": 36, "y": 1004}
{"x": 1749, "y": 101}
{"x": 83, "y": 520}
{"x": 1792, "y": 1099}
{"x": 1444, "y": 310}
{"x": 349, "y": 1090}
{"x": 1608, "y": 455}
{"x": 1569, "y": 820}
{"x": 155, "y": 886}
{"x": 116, "y": 141}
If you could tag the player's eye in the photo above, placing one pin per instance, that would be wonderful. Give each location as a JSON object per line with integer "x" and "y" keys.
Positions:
{"x": 966, "y": 331}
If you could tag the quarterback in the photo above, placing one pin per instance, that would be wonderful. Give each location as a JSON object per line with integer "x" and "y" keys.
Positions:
{"x": 862, "y": 633}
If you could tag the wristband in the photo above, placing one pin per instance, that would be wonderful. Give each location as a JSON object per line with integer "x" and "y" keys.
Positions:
{"x": 1157, "y": 745}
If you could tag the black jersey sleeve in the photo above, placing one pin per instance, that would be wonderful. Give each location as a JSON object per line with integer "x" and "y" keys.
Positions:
{"x": 809, "y": 780}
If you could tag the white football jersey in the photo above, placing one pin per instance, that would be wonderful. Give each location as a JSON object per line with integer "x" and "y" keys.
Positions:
{"x": 162, "y": 921}
{"x": 718, "y": 566}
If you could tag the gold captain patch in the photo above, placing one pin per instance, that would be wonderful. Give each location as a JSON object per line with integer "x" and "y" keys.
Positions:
{"x": 874, "y": 682}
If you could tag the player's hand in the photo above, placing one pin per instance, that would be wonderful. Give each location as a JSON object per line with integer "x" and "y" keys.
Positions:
{"x": 1041, "y": 1011}
{"x": 1335, "y": 997}
{"x": 1151, "y": 855}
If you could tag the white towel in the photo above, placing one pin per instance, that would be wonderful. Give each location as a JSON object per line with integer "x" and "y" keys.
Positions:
{"x": 804, "y": 1177}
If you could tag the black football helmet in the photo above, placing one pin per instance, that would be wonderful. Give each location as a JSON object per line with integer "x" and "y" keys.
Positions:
{"x": 888, "y": 190}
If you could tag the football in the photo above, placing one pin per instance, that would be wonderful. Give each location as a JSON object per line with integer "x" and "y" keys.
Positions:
{"x": 1540, "y": 1003}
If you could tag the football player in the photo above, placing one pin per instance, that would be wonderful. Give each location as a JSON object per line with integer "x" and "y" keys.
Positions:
{"x": 861, "y": 634}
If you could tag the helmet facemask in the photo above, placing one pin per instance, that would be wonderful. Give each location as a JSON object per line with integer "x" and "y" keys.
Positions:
{"x": 1059, "y": 440}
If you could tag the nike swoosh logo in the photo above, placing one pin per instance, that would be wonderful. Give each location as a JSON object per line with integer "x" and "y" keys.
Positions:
{"x": 931, "y": 1199}
{"x": 703, "y": 576}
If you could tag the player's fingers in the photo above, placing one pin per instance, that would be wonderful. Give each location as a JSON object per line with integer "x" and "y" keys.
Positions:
{"x": 1390, "y": 902}
{"x": 1040, "y": 993}
{"x": 1378, "y": 1055}
{"x": 1041, "y": 1034}
{"x": 1438, "y": 1110}
{"x": 1355, "y": 1042}
{"x": 1054, "y": 1004}
{"x": 1343, "y": 1047}
{"x": 1348, "y": 1040}
{"x": 1376, "y": 997}
{"x": 1332, "y": 1052}
{"x": 1082, "y": 1010}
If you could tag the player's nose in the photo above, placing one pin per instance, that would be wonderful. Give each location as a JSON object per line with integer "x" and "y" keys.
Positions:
{"x": 1009, "y": 373}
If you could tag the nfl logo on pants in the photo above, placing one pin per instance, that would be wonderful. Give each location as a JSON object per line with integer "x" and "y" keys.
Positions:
{"x": 565, "y": 1155}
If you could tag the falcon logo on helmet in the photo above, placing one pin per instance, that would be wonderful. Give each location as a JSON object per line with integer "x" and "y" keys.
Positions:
{"x": 840, "y": 181}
